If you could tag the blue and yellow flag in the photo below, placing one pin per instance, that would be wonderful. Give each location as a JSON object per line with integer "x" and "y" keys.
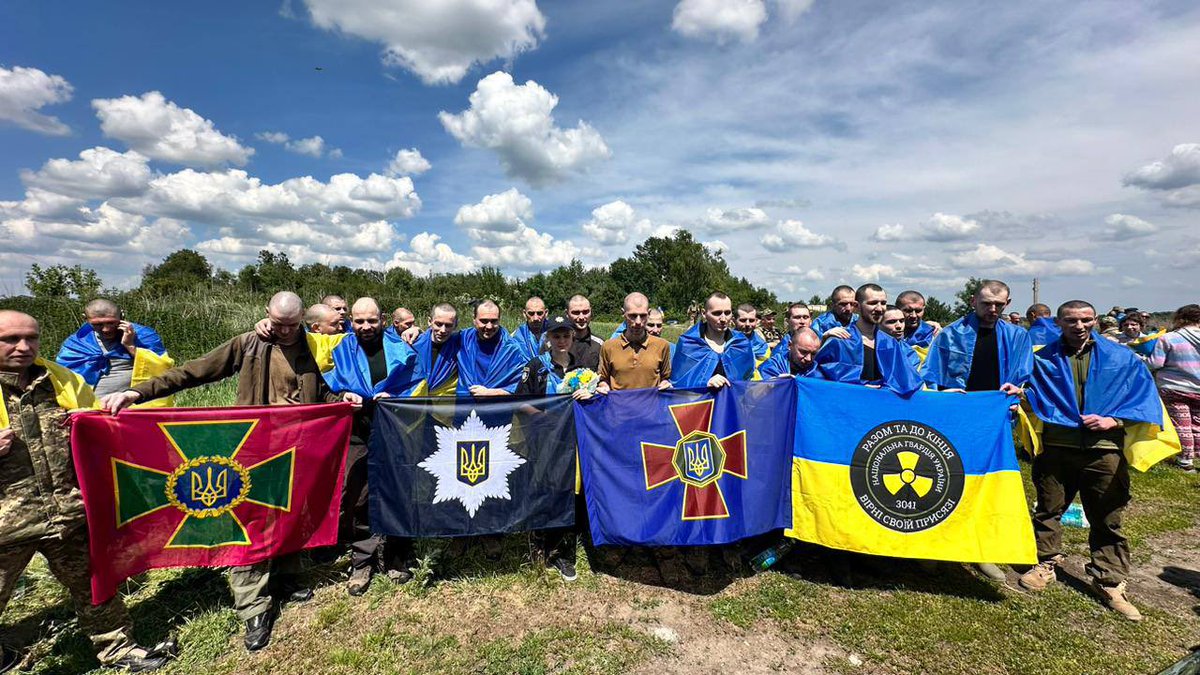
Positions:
{"x": 683, "y": 468}
{"x": 933, "y": 476}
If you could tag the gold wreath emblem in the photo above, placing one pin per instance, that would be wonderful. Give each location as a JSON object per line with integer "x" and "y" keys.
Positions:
{"x": 207, "y": 489}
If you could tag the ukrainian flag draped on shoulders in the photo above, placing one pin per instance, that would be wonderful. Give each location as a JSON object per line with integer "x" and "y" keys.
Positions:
{"x": 1043, "y": 331}
{"x": 70, "y": 390}
{"x": 920, "y": 340}
{"x": 437, "y": 376}
{"x": 352, "y": 372}
{"x": 1144, "y": 345}
{"x": 529, "y": 344}
{"x": 949, "y": 362}
{"x": 496, "y": 364}
{"x": 1118, "y": 386}
{"x": 840, "y": 360}
{"x": 762, "y": 352}
{"x": 321, "y": 346}
{"x": 828, "y": 320}
{"x": 82, "y": 353}
{"x": 780, "y": 364}
{"x": 694, "y": 361}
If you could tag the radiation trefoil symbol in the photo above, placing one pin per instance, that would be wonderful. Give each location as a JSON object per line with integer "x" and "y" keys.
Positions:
{"x": 207, "y": 485}
{"x": 698, "y": 460}
{"x": 472, "y": 463}
{"x": 908, "y": 476}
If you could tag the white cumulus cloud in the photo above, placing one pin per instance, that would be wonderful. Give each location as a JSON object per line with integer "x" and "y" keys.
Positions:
{"x": 719, "y": 220}
{"x": 719, "y": 20}
{"x": 25, "y": 91}
{"x": 614, "y": 222}
{"x": 427, "y": 255}
{"x": 98, "y": 173}
{"x": 989, "y": 259}
{"x": 408, "y": 162}
{"x": 1176, "y": 178}
{"x": 159, "y": 129}
{"x": 438, "y": 41}
{"x": 874, "y": 273}
{"x": 497, "y": 225}
{"x": 939, "y": 227}
{"x": 792, "y": 234}
{"x": 515, "y": 122}
{"x": 1120, "y": 227}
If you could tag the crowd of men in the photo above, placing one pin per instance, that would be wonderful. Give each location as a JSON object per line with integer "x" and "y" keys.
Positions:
{"x": 336, "y": 351}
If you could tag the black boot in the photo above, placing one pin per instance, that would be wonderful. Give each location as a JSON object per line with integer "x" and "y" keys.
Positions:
{"x": 258, "y": 631}
{"x": 144, "y": 661}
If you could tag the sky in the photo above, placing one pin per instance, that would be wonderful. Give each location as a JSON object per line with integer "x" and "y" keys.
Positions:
{"x": 810, "y": 142}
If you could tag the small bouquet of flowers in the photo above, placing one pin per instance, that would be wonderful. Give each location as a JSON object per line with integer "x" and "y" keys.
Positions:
{"x": 584, "y": 379}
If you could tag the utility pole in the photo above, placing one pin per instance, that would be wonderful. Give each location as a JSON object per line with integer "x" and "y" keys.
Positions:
{"x": 1037, "y": 288}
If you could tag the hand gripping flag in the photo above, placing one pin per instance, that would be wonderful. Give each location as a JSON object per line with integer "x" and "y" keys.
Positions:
{"x": 445, "y": 467}
{"x": 933, "y": 476}
{"x": 207, "y": 487}
{"x": 680, "y": 468}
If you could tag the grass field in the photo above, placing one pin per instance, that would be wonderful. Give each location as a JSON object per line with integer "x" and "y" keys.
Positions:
{"x": 693, "y": 612}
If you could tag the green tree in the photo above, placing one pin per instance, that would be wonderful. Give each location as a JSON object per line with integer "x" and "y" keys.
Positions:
{"x": 180, "y": 270}
{"x": 936, "y": 310}
{"x": 60, "y": 281}
{"x": 962, "y": 302}
{"x": 272, "y": 273}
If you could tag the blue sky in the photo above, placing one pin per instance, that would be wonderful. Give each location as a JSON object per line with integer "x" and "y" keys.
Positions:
{"x": 813, "y": 143}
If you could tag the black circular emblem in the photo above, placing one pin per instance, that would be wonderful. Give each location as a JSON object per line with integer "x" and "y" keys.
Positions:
{"x": 906, "y": 476}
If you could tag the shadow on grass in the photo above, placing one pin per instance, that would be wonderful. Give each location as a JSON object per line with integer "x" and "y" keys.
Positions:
{"x": 1186, "y": 579}
{"x": 177, "y": 600}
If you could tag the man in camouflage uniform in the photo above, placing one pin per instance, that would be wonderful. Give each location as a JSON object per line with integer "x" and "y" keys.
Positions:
{"x": 40, "y": 506}
{"x": 279, "y": 370}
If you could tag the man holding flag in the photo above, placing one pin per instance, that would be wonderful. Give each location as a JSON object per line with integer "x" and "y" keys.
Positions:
{"x": 42, "y": 509}
{"x": 437, "y": 352}
{"x": 635, "y": 359}
{"x": 489, "y": 361}
{"x": 710, "y": 354}
{"x": 979, "y": 352}
{"x": 864, "y": 354}
{"x": 1099, "y": 412}
{"x": 280, "y": 371}
{"x": 795, "y": 358}
{"x": 529, "y": 336}
{"x": 110, "y": 353}
{"x": 371, "y": 363}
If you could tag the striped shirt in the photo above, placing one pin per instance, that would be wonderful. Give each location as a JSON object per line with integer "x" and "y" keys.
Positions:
{"x": 1176, "y": 360}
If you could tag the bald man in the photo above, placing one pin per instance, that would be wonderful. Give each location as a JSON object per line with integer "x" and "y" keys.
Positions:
{"x": 841, "y": 312}
{"x": 1042, "y": 328}
{"x": 586, "y": 347}
{"x": 489, "y": 361}
{"x": 278, "y": 371}
{"x": 338, "y": 303}
{"x": 529, "y": 336}
{"x": 323, "y": 320}
{"x": 402, "y": 320}
{"x": 798, "y": 359}
{"x": 864, "y": 353}
{"x": 635, "y": 359}
{"x": 40, "y": 507}
{"x": 711, "y": 354}
{"x": 369, "y": 364}
{"x": 105, "y": 350}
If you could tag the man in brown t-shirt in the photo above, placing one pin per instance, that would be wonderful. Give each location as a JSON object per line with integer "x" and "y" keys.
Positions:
{"x": 635, "y": 359}
{"x": 279, "y": 371}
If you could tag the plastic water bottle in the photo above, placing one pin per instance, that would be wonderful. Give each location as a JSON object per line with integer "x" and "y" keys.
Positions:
{"x": 1074, "y": 516}
{"x": 763, "y": 561}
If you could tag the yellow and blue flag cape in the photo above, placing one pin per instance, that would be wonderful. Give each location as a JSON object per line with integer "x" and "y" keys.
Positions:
{"x": 70, "y": 390}
{"x": 828, "y": 320}
{"x": 1043, "y": 332}
{"x": 949, "y": 362}
{"x": 921, "y": 337}
{"x": 1144, "y": 345}
{"x": 82, "y": 354}
{"x": 529, "y": 344}
{"x": 497, "y": 364}
{"x": 321, "y": 346}
{"x": 779, "y": 364}
{"x": 437, "y": 377}
{"x": 933, "y": 476}
{"x": 694, "y": 362}
{"x": 352, "y": 372}
{"x": 1118, "y": 386}
{"x": 840, "y": 360}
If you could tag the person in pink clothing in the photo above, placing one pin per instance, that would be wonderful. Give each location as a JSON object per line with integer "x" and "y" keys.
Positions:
{"x": 1176, "y": 367}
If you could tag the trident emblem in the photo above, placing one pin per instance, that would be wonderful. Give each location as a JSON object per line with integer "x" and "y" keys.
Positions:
{"x": 699, "y": 459}
{"x": 472, "y": 461}
{"x": 207, "y": 491}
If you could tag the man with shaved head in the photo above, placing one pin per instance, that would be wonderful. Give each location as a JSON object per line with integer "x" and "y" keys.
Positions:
{"x": 108, "y": 350}
{"x": 1042, "y": 328}
{"x": 489, "y": 361}
{"x": 402, "y": 320}
{"x": 918, "y": 333}
{"x": 841, "y": 312}
{"x": 864, "y": 353}
{"x": 40, "y": 507}
{"x": 323, "y": 320}
{"x": 586, "y": 347}
{"x": 635, "y": 359}
{"x": 529, "y": 336}
{"x": 280, "y": 370}
{"x": 711, "y": 354}
{"x": 369, "y": 364}
{"x": 797, "y": 359}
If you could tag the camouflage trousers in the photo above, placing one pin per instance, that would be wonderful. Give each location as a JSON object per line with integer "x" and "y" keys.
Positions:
{"x": 107, "y": 625}
{"x": 251, "y": 585}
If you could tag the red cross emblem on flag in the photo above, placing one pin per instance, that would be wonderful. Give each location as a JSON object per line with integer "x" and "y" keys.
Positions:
{"x": 698, "y": 460}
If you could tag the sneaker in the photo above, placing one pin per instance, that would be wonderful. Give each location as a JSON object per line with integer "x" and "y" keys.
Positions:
{"x": 990, "y": 571}
{"x": 399, "y": 576}
{"x": 1041, "y": 575}
{"x": 1114, "y": 598}
{"x": 565, "y": 569}
{"x": 360, "y": 581}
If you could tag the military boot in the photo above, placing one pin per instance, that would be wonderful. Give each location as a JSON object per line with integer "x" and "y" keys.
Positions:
{"x": 1114, "y": 598}
{"x": 1041, "y": 575}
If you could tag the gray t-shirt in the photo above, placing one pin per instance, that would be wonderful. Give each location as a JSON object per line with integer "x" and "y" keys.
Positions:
{"x": 120, "y": 371}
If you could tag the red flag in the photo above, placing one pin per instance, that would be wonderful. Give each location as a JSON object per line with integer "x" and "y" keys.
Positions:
{"x": 207, "y": 487}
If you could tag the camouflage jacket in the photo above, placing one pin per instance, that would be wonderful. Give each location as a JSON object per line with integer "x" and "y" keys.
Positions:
{"x": 39, "y": 494}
